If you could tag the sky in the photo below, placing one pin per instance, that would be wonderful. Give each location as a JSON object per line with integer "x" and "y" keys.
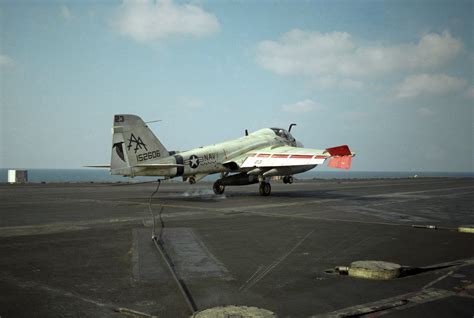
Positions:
{"x": 392, "y": 79}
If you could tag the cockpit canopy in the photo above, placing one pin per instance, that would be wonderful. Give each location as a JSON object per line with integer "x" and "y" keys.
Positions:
{"x": 285, "y": 134}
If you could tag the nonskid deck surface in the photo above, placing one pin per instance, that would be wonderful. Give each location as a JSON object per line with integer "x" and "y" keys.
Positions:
{"x": 85, "y": 249}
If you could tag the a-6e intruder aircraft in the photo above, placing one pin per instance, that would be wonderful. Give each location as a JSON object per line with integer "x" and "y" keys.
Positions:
{"x": 253, "y": 158}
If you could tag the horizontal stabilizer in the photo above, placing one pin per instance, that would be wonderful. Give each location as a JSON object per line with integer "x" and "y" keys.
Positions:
{"x": 97, "y": 166}
{"x": 340, "y": 162}
{"x": 339, "y": 151}
{"x": 159, "y": 165}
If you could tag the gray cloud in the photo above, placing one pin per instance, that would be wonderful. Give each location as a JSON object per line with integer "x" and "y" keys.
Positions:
{"x": 147, "y": 20}
{"x": 429, "y": 84}
{"x": 65, "y": 12}
{"x": 336, "y": 59}
{"x": 303, "y": 106}
{"x": 5, "y": 60}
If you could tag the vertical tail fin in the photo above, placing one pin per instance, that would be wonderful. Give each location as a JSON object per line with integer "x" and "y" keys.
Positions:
{"x": 132, "y": 143}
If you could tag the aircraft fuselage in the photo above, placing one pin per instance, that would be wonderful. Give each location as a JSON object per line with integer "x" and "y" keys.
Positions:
{"x": 255, "y": 158}
{"x": 208, "y": 159}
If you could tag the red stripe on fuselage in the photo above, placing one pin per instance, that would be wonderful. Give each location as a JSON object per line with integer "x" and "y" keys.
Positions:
{"x": 301, "y": 157}
{"x": 279, "y": 156}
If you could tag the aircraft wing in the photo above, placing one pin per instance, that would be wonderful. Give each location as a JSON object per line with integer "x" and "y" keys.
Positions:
{"x": 97, "y": 166}
{"x": 340, "y": 157}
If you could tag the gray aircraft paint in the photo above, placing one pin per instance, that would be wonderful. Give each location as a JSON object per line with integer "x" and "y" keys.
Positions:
{"x": 256, "y": 157}
{"x": 138, "y": 141}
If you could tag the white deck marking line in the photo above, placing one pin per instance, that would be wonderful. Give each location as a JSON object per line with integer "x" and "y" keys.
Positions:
{"x": 389, "y": 305}
{"x": 437, "y": 280}
{"x": 50, "y": 289}
{"x": 277, "y": 262}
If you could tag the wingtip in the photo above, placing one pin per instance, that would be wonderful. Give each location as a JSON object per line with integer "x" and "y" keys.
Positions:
{"x": 97, "y": 166}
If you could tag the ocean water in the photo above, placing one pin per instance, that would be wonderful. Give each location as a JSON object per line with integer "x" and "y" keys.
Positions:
{"x": 102, "y": 175}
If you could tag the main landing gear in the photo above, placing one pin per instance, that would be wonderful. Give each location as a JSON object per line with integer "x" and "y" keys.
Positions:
{"x": 218, "y": 187}
{"x": 265, "y": 188}
{"x": 288, "y": 179}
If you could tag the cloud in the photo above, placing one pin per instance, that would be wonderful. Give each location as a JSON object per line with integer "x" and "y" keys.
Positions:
{"x": 425, "y": 112}
{"x": 5, "y": 60}
{"x": 330, "y": 82}
{"x": 190, "y": 103}
{"x": 65, "y": 12}
{"x": 303, "y": 106}
{"x": 147, "y": 20}
{"x": 470, "y": 92}
{"x": 429, "y": 85}
{"x": 357, "y": 116}
{"x": 337, "y": 55}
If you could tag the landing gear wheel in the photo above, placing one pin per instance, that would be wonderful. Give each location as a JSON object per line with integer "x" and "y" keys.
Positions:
{"x": 288, "y": 179}
{"x": 265, "y": 189}
{"x": 218, "y": 187}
